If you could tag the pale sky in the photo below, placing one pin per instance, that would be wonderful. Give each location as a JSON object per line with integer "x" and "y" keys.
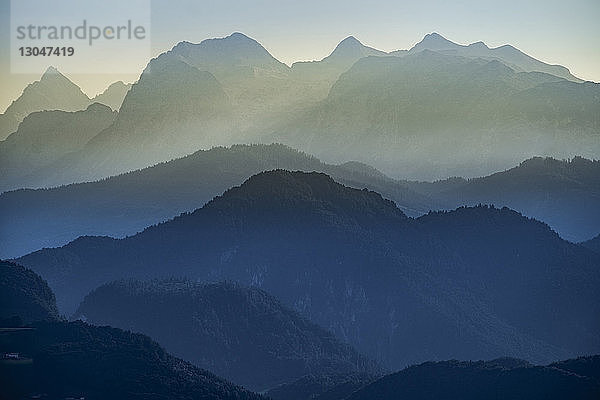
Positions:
{"x": 557, "y": 32}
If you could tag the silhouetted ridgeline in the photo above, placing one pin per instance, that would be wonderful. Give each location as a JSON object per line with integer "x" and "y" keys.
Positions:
{"x": 73, "y": 360}
{"x": 60, "y": 360}
{"x": 564, "y": 194}
{"x": 25, "y": 295}
{"x": 398, "y": 111}
{"x": 126, "y": 204}
{"x": 242, "y": 334}
{"x": 493, "y": 281}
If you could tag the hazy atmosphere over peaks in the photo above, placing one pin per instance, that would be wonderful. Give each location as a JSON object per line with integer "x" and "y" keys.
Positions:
{"x": 309, "y": 30}
{"x": 336, "y": 200}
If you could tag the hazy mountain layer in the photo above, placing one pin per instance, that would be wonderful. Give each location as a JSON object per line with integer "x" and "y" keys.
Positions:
{"x": 429, "y": 115}
{"x": 126, "y": 204}
{"x": 493, "y": 281}
{"x": 563, "y": 194}
{"x": 425, "y": 115}
{"x": 509, "y": 55}
{"x": 113, "y": 95}
{"x": 45, "y": 137}
{"x": 242, "y": 334}
{"x": 52, "y": 92}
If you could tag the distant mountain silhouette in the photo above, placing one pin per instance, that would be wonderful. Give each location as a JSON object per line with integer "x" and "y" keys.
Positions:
{"x": 242, "y": 334}
{"x": 429, "y": 115}
{"x": 52, "y": 92}
{"x": 563, "y": 194}
{"x": 328, "y": 70}
{"x": 509, "y": 55}
{"x": 491, "y": 280}
{"x": 126, "y": 204}
{"x": 420, "y": 114}
{"x": 480, "y": 380}
{"x": 45, "y": 137}
{"x": 113, "y": 95}
{"x": 25, "y": 295}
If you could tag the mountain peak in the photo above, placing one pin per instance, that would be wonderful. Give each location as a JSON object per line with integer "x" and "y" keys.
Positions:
{"x": 271, "y": 189}
{"x": 52, "y": 72}
{"x": 350, "y": 41}
{"x": 234, "y": 50}
{"x": 350, "y": 50}
{"x": 434, "y": 41}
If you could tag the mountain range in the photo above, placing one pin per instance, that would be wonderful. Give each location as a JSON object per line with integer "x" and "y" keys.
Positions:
{"x": 54, "y": 91}
{"x": 563, "y": 194}
{"x": 242, "y": 334}
{"x": 55, "y": 359}
{"x": 126, "y": 204}
{"x": 492, "y": 280}
{"x": 397, "y": 111}
{"x": 429, "y": 116}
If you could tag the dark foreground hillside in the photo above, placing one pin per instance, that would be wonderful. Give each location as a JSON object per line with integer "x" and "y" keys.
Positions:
{"x": 73, "y": 360}
{"x": 25, "y": 295}
{"x": 242, "y": 334}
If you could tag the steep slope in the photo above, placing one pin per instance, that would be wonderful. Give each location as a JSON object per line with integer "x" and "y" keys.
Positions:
{"x": 113, "y": 95}
{"x": 479, "y": 380}
{"x": 126, "y": 204}
{"x": 509, "y": 55}
{"x": 45, "y": 137}
{"x": 564, "y": 194}
{"x": 242, "y": 334}
{"x": 25, "y": 295}
{"x": 52, "y": 92}
{"x": 493, "y": 281}
{"x": 325, "y": 72}
{"x": 76, "y": 360}
{"x": 430, "y": 116}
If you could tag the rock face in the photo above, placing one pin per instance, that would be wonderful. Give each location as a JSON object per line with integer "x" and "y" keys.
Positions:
{"x": 492, "y": 280}
{"x": 242, "y": 334}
